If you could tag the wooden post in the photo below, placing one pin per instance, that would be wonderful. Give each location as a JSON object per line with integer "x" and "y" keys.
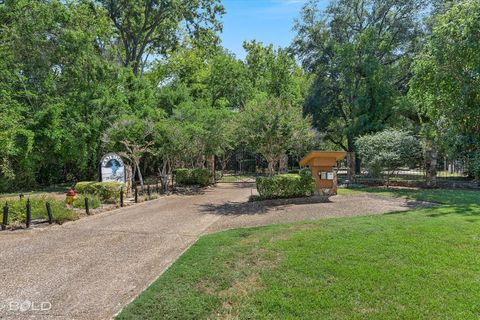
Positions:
{"x": 29, "y": 214}
{"x": 148, "y": 191}
{"x": 136, "y": 195}
{"x": 87, "y": 208}
{"x": 121, "y": 197}
{"x": 49, "y": 212}
{"x": 5, "y": 217}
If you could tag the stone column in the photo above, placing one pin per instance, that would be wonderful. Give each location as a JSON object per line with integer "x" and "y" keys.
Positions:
{"x": 128, "y": 181}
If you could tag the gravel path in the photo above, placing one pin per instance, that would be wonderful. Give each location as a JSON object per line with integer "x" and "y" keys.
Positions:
{"x": 91, "y": 268}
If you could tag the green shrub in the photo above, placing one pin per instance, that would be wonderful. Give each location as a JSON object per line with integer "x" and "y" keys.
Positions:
{"x": 193, "y": 177}
{"x": 85, "y": 187}
{"x": 17, "y": 210}
{"x": 93, "y": 201}
{"x": 184, "y": 176}
{"x": 286, "y": 185}
{"x": 201, "y": 177}
{"x": 104, "y": 190}
{"x": 255, "y": 197}
{"x": 387, "y": 151}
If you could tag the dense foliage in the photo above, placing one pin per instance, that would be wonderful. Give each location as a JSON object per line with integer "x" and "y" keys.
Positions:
{"x": 17, "y": 212}
{"x": 197, "y": 176}
{"x": 149, "y": 80}
{"x": 103, "y": 190}
{"x": 446, "y": 83}
{"x": 388, "y": 151}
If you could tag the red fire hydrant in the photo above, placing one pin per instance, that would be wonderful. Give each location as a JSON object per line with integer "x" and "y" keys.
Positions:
{"x": 71, "y": 196}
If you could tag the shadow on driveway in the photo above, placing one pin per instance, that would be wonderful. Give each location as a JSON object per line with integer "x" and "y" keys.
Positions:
{"x": 257, "y": 207}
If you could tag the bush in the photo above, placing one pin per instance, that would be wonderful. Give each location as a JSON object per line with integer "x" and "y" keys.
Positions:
{"x": 286, "y": 185}
{"x": 193, "y": 177}
{"x": 184, "y": 176}
{"x": 201, "y": 177}
{"x": 387, "y": 151}
{"x": 104, "y": 190}
{"x": 93, "y": 201}
{"x": 17, "y": 210}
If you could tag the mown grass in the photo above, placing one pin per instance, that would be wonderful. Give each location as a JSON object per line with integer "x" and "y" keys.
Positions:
{"x": 237, "y": 178}
{"x": 422, "y": 264}
{"x": 443, "y": 196}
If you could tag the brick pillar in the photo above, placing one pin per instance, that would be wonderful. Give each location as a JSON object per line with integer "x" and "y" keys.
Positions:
{"x": 128, "y": 180}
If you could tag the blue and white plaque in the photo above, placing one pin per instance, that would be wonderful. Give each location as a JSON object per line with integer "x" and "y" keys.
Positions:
{"x": 112, "y": 168}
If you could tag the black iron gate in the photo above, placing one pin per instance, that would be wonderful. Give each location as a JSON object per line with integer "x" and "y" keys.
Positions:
{"x": 241, "y": 165}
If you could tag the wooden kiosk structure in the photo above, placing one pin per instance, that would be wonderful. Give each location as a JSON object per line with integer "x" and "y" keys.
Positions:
{"x": 321, "y": 164}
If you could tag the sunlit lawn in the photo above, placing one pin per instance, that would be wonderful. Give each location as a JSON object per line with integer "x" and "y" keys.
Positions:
{"x": 422, "y": 264}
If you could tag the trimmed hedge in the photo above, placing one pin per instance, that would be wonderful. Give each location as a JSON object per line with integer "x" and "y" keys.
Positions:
{"x": 104, "y": 190}
{"x": 286, "y": 186}
{"x": 193, "y": 177}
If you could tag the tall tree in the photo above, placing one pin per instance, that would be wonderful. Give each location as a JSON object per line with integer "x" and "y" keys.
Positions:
{"x": 360, "y": 52}
{"x": 273, "y": 71}
{"x": 153, "y": 27}
{"x": 132, "y": 138}
{"x": 61, "y": 79}
{"x": 272, "y": 127}
{"x": 446, "y": 82}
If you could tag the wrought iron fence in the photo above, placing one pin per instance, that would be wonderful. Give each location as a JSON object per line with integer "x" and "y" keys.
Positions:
{"x": 450, "y": 173}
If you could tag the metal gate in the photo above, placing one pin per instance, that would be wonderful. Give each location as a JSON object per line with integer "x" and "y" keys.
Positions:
{"x": 241, "y": 165}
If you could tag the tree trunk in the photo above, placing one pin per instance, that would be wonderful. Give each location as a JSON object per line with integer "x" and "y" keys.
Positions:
{"x": 431, "y": 168}
{"x": 211, "y": 167}
{"x": 283, "y": 164}
{"x": 351, "y": 166}
{"x": 271, "y": 167}
{"x": 164, "y": 174}
{"x": 224, "y": 163}
{"x": 353, "y": 162}
{"x": 140, "y": 177}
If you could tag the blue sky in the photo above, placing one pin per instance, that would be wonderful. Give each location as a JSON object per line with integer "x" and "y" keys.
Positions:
{"x": 268, "y": 21}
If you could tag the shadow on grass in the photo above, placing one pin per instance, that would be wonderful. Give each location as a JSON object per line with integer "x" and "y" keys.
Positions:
{"x": 442, "y": 196}
{"x": 468, "y": 210}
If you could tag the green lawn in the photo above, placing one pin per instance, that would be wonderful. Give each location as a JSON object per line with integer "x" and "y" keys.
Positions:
{"x": 238, "y": 178}
{"x": 443, "y": 196}
{"x": 422, "y": 264}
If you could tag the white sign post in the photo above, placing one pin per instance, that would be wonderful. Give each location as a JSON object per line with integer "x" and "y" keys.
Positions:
{"x": 112, "y": 168}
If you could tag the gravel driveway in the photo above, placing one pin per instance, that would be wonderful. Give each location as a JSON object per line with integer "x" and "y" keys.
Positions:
{"x": 91, "y": 268}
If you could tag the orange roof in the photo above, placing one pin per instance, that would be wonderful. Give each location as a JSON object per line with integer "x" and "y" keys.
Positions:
{"x": 337, "y": 155}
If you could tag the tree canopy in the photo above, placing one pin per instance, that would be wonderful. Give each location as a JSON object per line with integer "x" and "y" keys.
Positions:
{"x": 150, "y": 80}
